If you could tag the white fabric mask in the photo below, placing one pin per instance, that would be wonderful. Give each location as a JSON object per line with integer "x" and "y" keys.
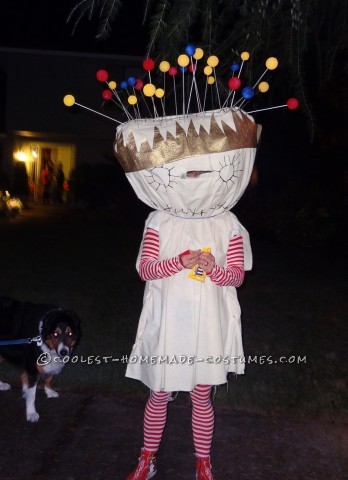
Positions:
{"x": 222, "y": 181}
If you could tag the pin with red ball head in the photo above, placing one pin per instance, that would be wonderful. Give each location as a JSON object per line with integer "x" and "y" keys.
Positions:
{"x": 234, "y": 83}
{"x": 245, "y": 57}
{"x": 186, "y": 62}
{"x": 173, "y": 71}
{"x": 149, "y": 89}
{"x": 291, "y": 104}
{"x": 103, "y": 76}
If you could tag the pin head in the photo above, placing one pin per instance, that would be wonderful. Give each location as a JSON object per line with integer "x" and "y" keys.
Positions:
{"x": 107, "y": 94}
{"x": 292, "y": 103}
{"x": 148, "y": 64}
{"x": 69, "y": 100}
{"x": 234, "y": 83}
{"x": 102, "y": 75}
{"x": 190, "y": 50}
{"x": 248, "y": 92}
{"x": 271, "y": 63}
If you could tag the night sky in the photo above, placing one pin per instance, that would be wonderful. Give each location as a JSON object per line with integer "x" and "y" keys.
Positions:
{"x": 42, "y": 24}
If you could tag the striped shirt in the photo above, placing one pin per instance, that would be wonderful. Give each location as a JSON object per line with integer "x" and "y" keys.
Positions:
{"x": 151, "y": 268}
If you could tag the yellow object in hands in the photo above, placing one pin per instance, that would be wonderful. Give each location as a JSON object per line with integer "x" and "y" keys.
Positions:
{"x": 197, "y": 272}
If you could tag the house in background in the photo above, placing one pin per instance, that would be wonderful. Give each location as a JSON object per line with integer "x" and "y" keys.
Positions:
{"x": 35, "y": 125}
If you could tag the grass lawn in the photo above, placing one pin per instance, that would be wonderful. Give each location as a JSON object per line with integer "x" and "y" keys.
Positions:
{"x": 294, "y": 305}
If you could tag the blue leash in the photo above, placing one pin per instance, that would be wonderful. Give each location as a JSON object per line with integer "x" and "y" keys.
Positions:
{"x": 21, "y": 341}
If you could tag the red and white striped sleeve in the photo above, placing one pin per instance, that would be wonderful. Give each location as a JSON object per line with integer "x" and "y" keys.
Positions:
{"x": 150, "y": 268}
{"x": 233, "y": 274}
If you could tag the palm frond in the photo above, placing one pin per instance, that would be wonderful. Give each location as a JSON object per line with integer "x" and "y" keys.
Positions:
{"x": 107, "y": 10}
{"x": 83, "y": 8}
{"x": 147, "y": 10}
{"x": 308, "y": 36}
{"x": 158, "y": 24}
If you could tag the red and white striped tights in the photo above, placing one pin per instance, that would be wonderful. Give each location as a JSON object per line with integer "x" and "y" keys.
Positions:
{"x": 202, "y": 419}
{"x": 152, "y": 268}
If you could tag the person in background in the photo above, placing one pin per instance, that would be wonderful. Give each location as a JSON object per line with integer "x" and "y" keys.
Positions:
{"x": 46, "y": 183}
{"x": 60, "y": 178}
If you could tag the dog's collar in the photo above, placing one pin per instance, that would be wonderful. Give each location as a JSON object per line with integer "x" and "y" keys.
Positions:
{"x": 37, "y": 340}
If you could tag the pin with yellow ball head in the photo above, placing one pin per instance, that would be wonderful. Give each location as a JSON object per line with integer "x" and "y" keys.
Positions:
{"x": 69, "y": 101}
{"x": 187, "y": 63}
{"x": 195, "y": 54}
{"x": 183, "y": 62}
{"x": 164, "y": 67}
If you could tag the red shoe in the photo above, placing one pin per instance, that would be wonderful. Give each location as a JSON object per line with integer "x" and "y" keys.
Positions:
{"x": 146, "y": 468}
{"x": 203, "y": 469}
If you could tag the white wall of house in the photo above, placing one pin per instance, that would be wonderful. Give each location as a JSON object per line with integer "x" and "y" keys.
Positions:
{"x": 35, "y": 115}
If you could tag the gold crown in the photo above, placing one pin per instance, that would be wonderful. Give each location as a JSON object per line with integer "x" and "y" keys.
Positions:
{"x": 219, "y": 132}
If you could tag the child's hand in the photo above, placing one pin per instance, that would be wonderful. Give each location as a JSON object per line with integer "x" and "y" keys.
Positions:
{"x": 189, "y": 258}
{"x": 207, "y": 261}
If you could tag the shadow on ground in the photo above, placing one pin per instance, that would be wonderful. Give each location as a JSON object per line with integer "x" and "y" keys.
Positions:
{"x": 97, "y": 437}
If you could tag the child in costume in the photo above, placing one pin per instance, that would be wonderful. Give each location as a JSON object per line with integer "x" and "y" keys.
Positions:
{"x": 191, "y": 170}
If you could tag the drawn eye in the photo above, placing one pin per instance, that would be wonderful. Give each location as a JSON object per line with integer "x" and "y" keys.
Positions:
{"x": 161, "y": 177}
{"x": 229, "y": 169}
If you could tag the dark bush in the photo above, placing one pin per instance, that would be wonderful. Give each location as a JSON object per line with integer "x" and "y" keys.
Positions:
{"x": 20, "y": 183}
{"x": 95, "y": 186}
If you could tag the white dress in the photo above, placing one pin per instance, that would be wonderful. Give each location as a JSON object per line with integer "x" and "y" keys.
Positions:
{"x": 189, "y": 332}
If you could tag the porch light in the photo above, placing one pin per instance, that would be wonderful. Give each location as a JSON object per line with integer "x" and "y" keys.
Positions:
{"x": 21, "y": 156}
